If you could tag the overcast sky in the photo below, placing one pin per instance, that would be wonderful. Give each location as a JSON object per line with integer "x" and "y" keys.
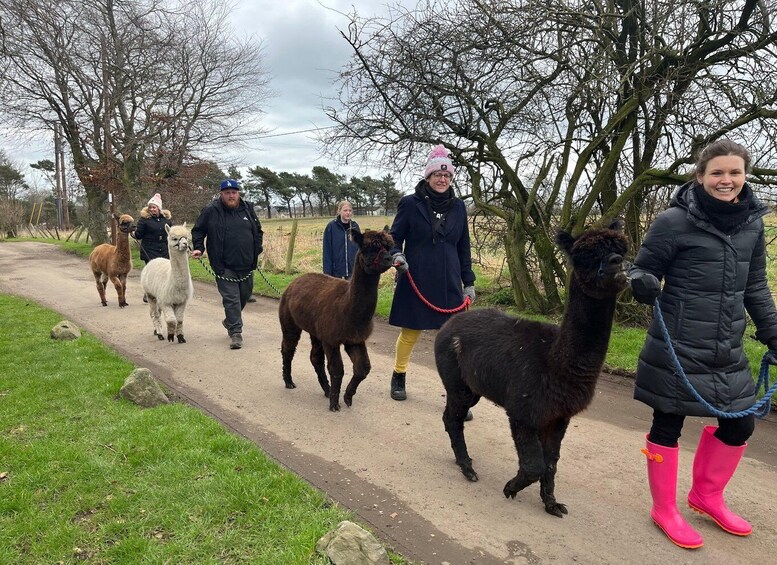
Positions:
{"x": 303, "y": 51}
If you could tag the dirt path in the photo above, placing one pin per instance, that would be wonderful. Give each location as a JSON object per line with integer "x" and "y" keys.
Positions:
{"x": 390, "y": 462}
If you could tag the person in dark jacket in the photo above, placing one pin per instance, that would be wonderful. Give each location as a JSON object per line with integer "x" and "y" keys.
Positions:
{"x": 339, "y": 247}
{"x": 431, "y": 236}
{"x": 151, "y": 233}
{"x": 709, "y": 249}
{"x": 232, "y": 233}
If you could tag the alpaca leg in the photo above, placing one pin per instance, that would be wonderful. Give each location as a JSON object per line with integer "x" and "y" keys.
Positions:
{"x": 99, "y": 281}
{"x": 336, "y": 371}
{"x": 156, "y": 316}
{"x": 291, "y": 335}
{"x": 551, "y": 447}
{"x": 318, "y": 360}
{"x": 117, "y": 285}
{"x": 178, "y": 310}
{"x": 531, "y": 462}
{"x": 453, "y": 419}
{"x": 123, "y": 291}
{"x": 170, "y": 322}
{"x": 361, "y": 368}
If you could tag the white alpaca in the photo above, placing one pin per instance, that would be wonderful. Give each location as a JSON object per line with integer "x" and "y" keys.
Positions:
{"x": 168, "y": 284}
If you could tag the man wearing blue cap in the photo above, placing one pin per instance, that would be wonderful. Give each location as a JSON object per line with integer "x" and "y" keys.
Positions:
{"x": 231, "y": 232}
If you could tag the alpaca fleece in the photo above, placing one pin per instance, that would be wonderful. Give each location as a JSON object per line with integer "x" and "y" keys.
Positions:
{"x": 542, "y": 374}
{"x": 336, "y": 312}
{"x": 113, "y": 262}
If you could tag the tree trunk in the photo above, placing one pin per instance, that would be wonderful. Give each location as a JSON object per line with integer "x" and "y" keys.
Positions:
{"x": 95, "y": 214}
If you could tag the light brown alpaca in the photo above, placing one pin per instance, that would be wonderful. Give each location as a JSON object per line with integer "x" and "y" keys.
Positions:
{"x": 113, "y": 262}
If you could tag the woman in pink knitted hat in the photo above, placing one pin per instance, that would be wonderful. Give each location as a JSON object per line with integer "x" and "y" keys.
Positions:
{"x": 151, "y": 231}
{"x": 431, "y": 236}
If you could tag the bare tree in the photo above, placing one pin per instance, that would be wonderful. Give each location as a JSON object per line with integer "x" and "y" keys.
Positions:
{"x": 560, "y": 113}
{"x": 138, "y": 86}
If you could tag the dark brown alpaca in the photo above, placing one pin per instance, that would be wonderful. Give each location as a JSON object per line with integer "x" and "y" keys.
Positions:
{"x": 542, "y": 374}
{"x": 334, "y": 312}
{"x": 113, "y": 262}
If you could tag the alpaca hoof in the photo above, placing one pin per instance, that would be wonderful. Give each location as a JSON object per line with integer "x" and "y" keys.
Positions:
{"x": 181, "y": 339}
{"x": 123, "y": 304}
{"x": 171, "y": 338}
{"x": 159, "y": 335}
{"x": 334, "y": 406}
{"x": 468, "y": 471}
{"x": 290, "y": 384}
{"x": 104, "y": 303}
{"x": 348, "y": 400}
{"x": 557, "y": 509}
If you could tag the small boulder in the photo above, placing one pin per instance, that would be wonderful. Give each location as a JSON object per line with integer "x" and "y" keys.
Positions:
{"x": 350, "y": 544}
{"x": 65, "y": 330}
{"x": 141, "y": 388}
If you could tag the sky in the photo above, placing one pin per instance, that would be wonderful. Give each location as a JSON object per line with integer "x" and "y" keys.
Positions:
{"x": 303, "y": 51}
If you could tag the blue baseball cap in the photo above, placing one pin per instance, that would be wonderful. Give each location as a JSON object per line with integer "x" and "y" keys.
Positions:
{"x": 228, "y": 184}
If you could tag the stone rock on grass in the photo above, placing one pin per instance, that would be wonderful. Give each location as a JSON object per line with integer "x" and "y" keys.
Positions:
{"x": 141, "y": 388}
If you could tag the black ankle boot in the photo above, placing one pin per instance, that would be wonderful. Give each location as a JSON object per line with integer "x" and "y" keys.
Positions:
{"x": 398, "y": 386}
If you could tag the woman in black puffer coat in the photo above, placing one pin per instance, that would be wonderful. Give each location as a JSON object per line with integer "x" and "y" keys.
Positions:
{"x": 709, "y": 248}
{"x": 151, "y": 231}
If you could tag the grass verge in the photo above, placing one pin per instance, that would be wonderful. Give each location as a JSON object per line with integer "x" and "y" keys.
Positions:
{"x": 86, "y": 477}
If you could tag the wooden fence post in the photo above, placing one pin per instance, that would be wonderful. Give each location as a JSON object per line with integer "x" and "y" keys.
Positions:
{"x": 290, "y": 251}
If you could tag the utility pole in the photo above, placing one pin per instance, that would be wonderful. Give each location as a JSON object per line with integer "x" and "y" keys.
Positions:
{"x": 107, "y": 137}
{"x": 59, "y": 159}
{"x": 57, "y": 185}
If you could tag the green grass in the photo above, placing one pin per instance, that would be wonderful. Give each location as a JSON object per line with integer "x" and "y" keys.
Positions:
{"x": 87, "y": 477}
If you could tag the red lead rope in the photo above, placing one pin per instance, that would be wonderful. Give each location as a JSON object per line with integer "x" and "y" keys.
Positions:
{"x": 464, "y": 306}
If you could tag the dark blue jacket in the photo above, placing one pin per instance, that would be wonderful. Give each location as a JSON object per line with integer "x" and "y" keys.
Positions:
{"x": 439, "y": 268}
{"x": 152, "y": 235}
{"x": 710, "y": 279}
{"x": 339, "y": 249}
{"x": 211, "y": 224}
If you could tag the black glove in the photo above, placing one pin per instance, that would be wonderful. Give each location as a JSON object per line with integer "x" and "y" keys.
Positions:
{"x": 645, "y": 288}
{"x": 771, "y": 355}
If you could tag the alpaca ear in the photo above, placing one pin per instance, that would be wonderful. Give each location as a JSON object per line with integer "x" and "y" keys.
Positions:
{"x": 167, "y": 228}
{"x": 357, "y": 237}
{"x": 386, "y": 229}
{"x": 617, "y": 224}
{"x": 565, "y": 241}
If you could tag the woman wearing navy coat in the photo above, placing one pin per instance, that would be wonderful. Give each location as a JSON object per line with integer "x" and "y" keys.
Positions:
{"x": 431, "y": 238}
{"x": 339, "y": 247}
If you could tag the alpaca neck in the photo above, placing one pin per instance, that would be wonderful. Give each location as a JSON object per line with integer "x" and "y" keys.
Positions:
{"x": 581, "y": 345}
{"x": 179, "y": 268}
{"x": 122, "y": 246}
{"x": 362, "y": 295}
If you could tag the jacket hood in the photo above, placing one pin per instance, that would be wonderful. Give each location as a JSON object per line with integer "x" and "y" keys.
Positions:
{"x": 144, "y": 213}
{"x": 686, "y": 199}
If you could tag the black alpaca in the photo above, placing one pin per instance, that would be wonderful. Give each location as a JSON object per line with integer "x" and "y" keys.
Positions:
{"x": 542, "y": 374}
{"x": 334, "y": 312}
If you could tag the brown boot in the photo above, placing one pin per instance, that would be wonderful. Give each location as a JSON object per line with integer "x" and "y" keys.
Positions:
{"x": 237, "y": 341}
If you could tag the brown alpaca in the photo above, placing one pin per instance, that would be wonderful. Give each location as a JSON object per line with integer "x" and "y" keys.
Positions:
{"x": 541, "y": 374}
{"x": 113, "y": 262}
{"x": 334, "y": 312}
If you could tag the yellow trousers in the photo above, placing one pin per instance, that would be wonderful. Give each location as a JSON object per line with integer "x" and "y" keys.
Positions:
{"x": 405, "y": 344}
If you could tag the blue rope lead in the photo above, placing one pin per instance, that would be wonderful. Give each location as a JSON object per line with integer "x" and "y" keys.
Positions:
{"x": 760, "y": 408}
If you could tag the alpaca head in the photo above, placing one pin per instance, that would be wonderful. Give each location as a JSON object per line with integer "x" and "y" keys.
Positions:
{"x": 126, "y": 223}
{"x": 179, "y": 238}
{"x": 374, "y": 250}
{"x": 598, "y": 258}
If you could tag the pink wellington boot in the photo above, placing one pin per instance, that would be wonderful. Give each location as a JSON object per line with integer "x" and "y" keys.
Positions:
{"x": 662, "y": 465}
{"x": 713, "y": 467}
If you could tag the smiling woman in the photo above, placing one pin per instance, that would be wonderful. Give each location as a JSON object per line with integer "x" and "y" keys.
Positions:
{"x": 710, "y": 248}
